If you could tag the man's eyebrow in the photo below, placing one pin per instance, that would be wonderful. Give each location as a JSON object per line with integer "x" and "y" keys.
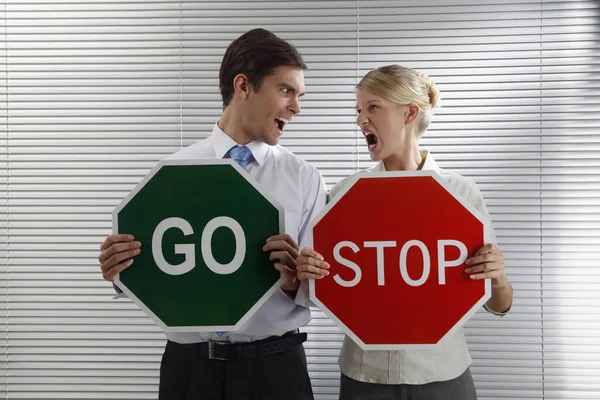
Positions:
{"x": 290, "y": 87}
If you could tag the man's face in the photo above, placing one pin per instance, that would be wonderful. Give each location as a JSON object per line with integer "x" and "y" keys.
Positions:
{"x": 275, "y": 103}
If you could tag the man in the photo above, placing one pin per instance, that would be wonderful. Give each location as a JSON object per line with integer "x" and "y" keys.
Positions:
{"x": 261, "y": 81}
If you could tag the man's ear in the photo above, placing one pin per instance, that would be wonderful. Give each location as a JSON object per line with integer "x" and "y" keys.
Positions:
{"x": 241, "y": 86}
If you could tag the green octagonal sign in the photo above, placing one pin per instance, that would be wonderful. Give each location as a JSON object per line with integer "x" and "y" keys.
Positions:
{"x": 202, "y": 225}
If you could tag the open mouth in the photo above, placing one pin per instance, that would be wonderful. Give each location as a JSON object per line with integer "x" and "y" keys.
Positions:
{"x": 371, "y": 140}
{"x": 280, "y": 123}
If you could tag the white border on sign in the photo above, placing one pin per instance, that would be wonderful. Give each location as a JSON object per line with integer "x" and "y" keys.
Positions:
{"x": 139, "y": 186}
{"x": 487, "y": 230}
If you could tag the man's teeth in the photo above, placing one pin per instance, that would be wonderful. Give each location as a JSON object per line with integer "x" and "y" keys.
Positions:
{"x": 285, "y": 121}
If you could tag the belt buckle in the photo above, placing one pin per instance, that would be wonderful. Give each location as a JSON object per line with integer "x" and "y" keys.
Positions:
{"x": 211, "y": 351}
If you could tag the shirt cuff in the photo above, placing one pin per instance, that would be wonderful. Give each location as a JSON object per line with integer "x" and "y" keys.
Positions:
{"x": 302, "y": 297}
{"x": 499, "y": 314}
{"x": 117, "y": 289}
{"x": 291, "y": 294}
{"x": 120, "y": 294}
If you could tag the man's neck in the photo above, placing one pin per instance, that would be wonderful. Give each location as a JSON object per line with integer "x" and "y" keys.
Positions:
{"x": 233, "y": 126}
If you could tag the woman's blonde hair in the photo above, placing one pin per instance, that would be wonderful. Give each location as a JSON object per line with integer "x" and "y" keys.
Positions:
{"x": 403, "y": 86}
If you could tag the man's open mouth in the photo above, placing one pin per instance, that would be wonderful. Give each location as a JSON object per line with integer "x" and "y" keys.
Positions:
{"x": 281, "y": 122}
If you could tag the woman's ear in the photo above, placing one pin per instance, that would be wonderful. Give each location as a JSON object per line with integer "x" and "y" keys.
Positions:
{"x": 411, "y": 113}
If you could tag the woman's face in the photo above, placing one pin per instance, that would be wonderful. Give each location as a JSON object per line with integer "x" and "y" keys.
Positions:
{"x": 384, "y": 124}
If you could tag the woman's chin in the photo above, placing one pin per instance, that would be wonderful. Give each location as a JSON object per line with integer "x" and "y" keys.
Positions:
{"x": 375, "y": 155}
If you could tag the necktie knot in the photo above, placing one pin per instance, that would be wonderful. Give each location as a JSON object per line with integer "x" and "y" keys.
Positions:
{"x": 241, "y": 155}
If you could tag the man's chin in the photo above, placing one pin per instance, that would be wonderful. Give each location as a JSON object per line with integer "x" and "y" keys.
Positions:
{"x": 271, "y": 140}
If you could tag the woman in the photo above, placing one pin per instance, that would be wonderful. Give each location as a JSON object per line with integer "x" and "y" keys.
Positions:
{"x": 394, "y": 106}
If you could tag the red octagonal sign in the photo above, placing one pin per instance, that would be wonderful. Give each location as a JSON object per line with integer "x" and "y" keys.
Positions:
{"x": 396, "y": 243}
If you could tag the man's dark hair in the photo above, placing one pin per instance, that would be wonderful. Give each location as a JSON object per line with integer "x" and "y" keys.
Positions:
{"x": 256, "y": 54}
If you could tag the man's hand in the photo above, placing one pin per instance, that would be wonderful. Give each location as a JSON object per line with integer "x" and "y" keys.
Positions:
{"x": 116, "y": 254}
{"x": 284, "y": 251}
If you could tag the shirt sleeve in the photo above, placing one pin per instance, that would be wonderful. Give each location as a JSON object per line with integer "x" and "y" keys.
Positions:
{"x": 476, "y": 199}
{"x": 496, "y": 313}
{"x": 303, "y": 296}
{"x": 315, "y": 196}
{"x": 335, "y": 191}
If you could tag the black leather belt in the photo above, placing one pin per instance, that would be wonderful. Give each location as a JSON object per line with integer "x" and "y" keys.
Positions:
{"x": 218, "y": 350}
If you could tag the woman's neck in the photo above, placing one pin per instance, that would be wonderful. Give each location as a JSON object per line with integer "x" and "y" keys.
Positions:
{"x": 409, "y": 159}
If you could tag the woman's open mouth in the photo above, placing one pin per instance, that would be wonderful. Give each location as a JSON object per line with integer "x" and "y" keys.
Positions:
{"x": 371, "y": 140}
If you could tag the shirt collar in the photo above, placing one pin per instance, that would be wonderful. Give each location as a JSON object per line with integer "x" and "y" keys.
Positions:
{"x": 428, "y": 165}
{"x": 222, "y": 143}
